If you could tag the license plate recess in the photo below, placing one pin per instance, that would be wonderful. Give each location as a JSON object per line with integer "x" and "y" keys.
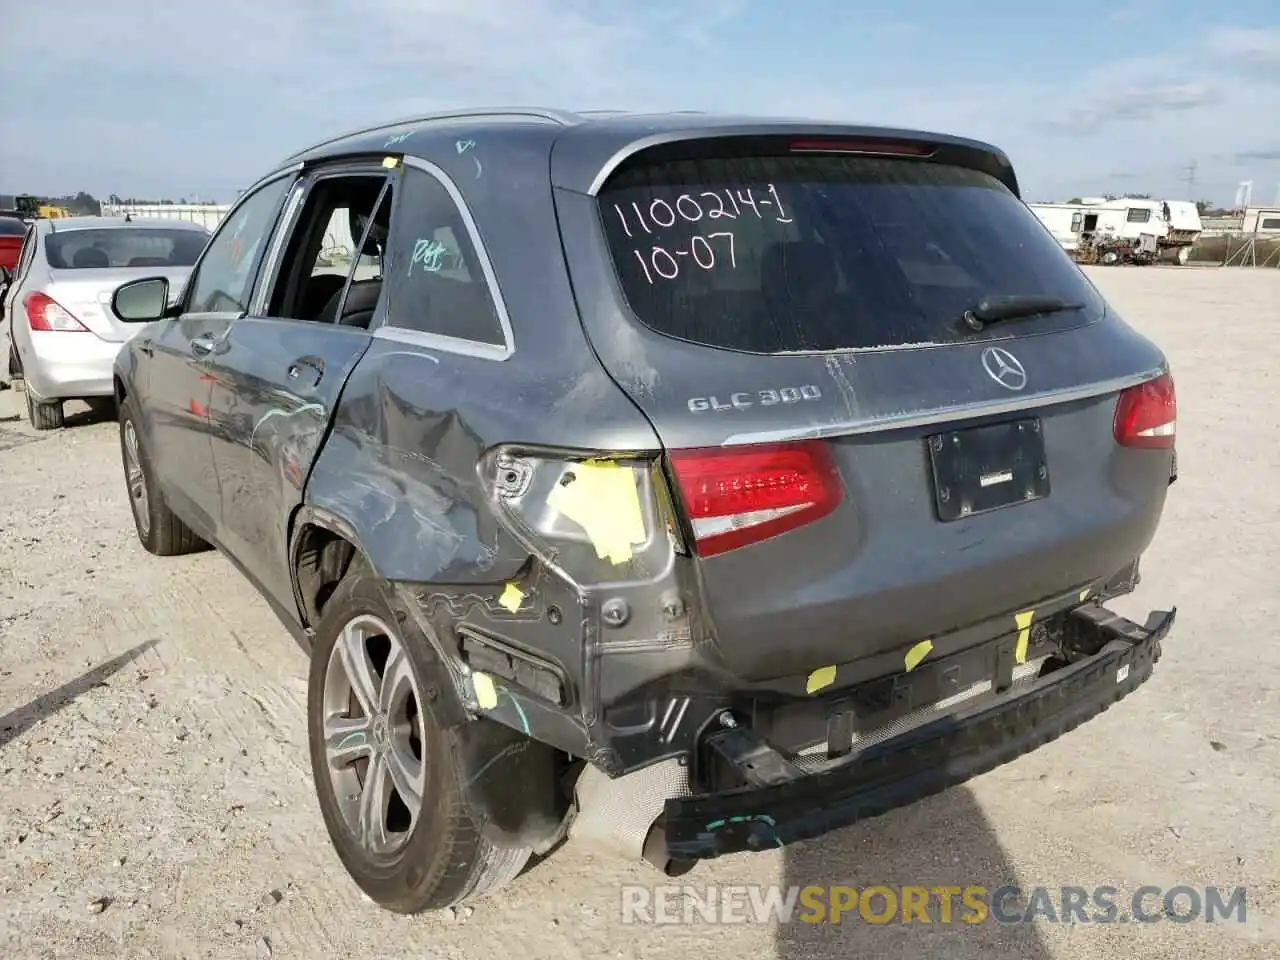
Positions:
{"x": 986, "y": 468}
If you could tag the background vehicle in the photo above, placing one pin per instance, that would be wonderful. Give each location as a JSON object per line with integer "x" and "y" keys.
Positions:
{"x": 1173, "y": 226}
{"x": 726, "y": 482}
{"x": 64, "y": 336}
{"x": 12, "y": 230}
{"x": 35, "y": 208}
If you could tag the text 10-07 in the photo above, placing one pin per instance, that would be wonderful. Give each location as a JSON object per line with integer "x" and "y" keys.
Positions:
{"x": 727, "y": 204}
{"x": 664, "y": 264}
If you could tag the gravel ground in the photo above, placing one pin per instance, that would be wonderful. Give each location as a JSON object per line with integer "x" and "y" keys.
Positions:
{"x": 155, "y": 796}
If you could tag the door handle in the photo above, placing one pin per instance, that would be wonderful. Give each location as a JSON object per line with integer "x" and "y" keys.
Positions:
{"x": 307, "y": 370}
{"x": 145, "y": 347}
{"x": 203, "y": 346}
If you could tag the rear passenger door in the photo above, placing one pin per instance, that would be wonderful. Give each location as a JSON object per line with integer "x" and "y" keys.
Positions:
{"x": 282, "y": 368}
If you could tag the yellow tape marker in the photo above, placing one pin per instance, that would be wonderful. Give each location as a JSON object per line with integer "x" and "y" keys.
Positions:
{"x": 1023, "y": 621}
{"x": 486, "y": 692}
{"x": 821, "y": 678}
{"x": 1084, "y": 594}
{"x": 389, "y": 162}
{"x": 918, "y": 653}
{"x": 603, "y": 499}
{"x": 511, "y": 597}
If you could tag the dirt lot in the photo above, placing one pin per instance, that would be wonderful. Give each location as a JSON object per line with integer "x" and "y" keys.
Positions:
{"x": 155, "y": 797}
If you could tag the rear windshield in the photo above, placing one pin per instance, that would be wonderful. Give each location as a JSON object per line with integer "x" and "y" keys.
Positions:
{"x": 829, "y": 252}
{"x": 124, "y": 247}
{"x": 12, "y": 227}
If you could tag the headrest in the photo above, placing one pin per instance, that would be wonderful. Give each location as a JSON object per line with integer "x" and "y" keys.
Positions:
{"x": 90, "y": 257}
{"x": 377, "y": 234}
{"x": 798, "y": 270}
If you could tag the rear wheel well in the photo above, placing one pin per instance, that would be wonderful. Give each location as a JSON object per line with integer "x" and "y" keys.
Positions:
{"x": 323, "y": 559}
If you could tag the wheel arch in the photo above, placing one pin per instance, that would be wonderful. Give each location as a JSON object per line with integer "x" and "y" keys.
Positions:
{"x": 515, "y": 780}
{"x": 322, "y": 548}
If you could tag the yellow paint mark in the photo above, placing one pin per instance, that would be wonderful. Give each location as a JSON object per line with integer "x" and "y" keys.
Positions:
{"x": 486, "y": 692}
{"x": 1084, "y": 594}
{"x": 820, "y": 679}
{"x": 389, "y": 162}
{"x": 603, "y": 499}
{"x": 511, "y": 597}
{"x": 1023, "y": 621}
{"x": 918, "y": 653}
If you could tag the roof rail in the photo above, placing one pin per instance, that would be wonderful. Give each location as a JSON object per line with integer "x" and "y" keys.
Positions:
{"x": 563, "y": 117}
{"x": 613, "y": 112}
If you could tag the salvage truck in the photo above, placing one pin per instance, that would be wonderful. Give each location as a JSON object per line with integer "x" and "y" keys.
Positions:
{"x": 687, "y": 483}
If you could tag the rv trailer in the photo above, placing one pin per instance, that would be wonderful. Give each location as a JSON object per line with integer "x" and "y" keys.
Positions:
{"x": 1126, "y": 229}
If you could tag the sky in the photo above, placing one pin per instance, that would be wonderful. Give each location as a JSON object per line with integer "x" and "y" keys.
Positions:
{"x": 197, "y": 98}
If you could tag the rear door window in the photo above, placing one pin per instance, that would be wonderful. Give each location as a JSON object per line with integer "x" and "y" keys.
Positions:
{"x": 828, "y": 252}
{"x": 124, "y": 247}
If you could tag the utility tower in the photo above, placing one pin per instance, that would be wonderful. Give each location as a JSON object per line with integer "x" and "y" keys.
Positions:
{"x": 1189, "y": 178}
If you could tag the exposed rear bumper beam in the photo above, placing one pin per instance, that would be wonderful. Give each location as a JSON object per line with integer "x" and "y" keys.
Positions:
{"x": 788, "y": 804}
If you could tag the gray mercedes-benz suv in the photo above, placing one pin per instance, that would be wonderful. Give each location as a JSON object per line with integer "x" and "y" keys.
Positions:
{"x": 695, "y": 483}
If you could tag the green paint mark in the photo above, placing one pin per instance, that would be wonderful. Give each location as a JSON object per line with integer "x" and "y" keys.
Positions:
{"x": 757, "y": 817}
{"x": 356, "y": 735}
{"x": 277, "y": 412}
{"x": 524, "y": 720}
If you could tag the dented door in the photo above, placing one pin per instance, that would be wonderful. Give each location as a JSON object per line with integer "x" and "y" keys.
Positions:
{"x": 276, "y": 384}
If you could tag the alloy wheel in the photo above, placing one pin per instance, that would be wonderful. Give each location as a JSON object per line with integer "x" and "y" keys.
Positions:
{"x": 136, "y": 479}
{"x": 374, "y": 734}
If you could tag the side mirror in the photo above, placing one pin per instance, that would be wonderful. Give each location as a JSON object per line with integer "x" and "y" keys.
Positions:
{"x": 142, "y": 301}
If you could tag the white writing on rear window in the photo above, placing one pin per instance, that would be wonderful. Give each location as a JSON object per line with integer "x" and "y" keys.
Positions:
{"x": 666, "y": 258}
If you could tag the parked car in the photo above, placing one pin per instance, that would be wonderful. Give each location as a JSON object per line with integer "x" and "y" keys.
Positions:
{"x": 703, "y": 483}
{"x": 64, "y": 337}
{"x": 12, "y": 230}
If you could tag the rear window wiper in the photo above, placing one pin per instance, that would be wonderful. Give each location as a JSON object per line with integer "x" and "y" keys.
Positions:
{"x": 998, "y": 309}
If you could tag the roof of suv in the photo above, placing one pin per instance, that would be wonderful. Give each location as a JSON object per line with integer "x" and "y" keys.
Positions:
{"x": 596, "y": 141}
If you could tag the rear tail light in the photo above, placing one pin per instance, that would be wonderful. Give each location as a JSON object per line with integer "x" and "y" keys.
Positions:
{"x": 46, "y": 315}
{"x": 1147, "y": 415}
{"x": 735, "y": 497}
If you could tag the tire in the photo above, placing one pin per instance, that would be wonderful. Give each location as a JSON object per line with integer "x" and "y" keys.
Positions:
{"x": 44, "y": 415}
{"x": 15, "y": 368}
{"x": 439, "y": 858}
{"x": 159, "y": 529}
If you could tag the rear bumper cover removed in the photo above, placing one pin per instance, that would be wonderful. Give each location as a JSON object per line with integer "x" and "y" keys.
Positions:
{"x": 923, "y": 761}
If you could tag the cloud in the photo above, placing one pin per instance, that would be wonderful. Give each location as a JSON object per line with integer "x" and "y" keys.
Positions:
{"x": 1258, "y": 47}
{"x": 1128, "y": 12}
{"x": 1138, "y": 103}
{"x": 177, "y": 96}
{"x": 1249, "y": 156}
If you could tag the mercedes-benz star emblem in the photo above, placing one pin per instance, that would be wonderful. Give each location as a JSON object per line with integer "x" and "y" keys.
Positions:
{"x": 1003, "y": 367}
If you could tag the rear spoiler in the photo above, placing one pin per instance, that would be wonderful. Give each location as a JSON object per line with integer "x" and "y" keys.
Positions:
{"x": 586, "y": 157}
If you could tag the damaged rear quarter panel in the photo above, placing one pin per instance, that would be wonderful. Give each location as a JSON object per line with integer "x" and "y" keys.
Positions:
{"x": 399, "y": 470}
{"x": 400, "y": 462}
